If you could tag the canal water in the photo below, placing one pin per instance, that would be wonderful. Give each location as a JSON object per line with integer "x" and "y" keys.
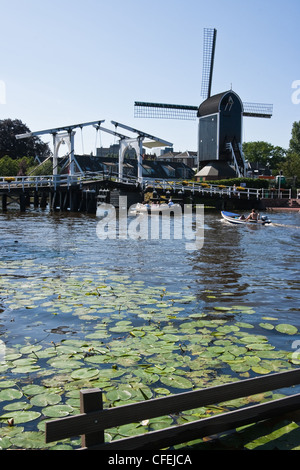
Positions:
{"x": 61, "y": 284}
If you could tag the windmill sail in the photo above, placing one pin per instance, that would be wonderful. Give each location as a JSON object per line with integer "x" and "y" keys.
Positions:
{"x": 260, "y": 110}
{"x": 209, "y": 46}
{"x": 165, "y": 111}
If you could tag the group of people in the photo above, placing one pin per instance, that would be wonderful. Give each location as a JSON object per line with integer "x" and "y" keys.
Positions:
{"x": 157, "y": 204}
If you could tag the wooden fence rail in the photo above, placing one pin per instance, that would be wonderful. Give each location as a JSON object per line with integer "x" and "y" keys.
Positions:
{"x": 93, "y": 419}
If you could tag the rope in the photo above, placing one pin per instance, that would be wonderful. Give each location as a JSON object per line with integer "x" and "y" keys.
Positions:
{"x": 42, "y": 163}
{"x": 82, "y": 141}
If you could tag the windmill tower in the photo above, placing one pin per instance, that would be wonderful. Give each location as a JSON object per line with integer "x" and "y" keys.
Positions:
{"x": 220, "y": 120}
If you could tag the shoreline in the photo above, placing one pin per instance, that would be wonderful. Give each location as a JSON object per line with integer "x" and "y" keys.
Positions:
{"x": 282, "y": 209}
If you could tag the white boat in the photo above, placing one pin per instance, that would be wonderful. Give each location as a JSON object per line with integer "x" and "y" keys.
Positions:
{"x": 153, "y": 208}
{"x": 238, "y": 219}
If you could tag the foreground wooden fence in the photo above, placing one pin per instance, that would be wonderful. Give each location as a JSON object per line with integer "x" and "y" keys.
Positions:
{"x": 93, "y": 420}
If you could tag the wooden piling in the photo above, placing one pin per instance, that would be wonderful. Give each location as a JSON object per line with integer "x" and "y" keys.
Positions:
{"x": 4, "y": 202}
{"x": 22, "y": 201}
{"x": 91, "y": 400}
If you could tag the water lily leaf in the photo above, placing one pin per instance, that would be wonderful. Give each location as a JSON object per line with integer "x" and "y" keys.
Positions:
{"x": 25, "y": 369}
{"x": 162, "y": 391}
{"x": 7, "y": 384}
{"x": 160, "y": 423}
{"x": 10, "y": 394}
{"x": 260, "y": 370}
{"x": 61, "y": 363}
{"x": 267, "y": 326}
{"x": 28, "y": 349}
{"x": 33, "y": 389}
{"x": 253, "y": 339}
{"x": 57, "y": 411}
{"x": 260, "y": 346}
{"x": 19, "y": 405}
{"x": 5, "y": 443}
{"x": 12, "y": 356}
{"x": 45, "y": 399}
{"x": 21, "y": 416}
{"x": 84, "y": 373}
{"x": 115, "y": 395}
{"x": 170, "y": 338}
{"x": 223, "y": 309}
{"x": 176, "y": 382}
{"x": 244, "y": 325}
{"x": 236, "y": 350}
{"x": 240, "y": 367}
{"x": 286, "y": 329}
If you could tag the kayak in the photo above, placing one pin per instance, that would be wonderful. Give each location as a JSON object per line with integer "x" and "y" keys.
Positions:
{"x": 236, "y": 219}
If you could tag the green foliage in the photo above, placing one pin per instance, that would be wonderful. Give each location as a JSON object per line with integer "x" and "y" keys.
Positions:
{"x": 250, "y": 182}
{"x": 18, "y": 148}
{"x": 263, "y": 153}
{"x": 291, "y": 166}
{"x": 12, "y": 167}
{"x": 8, "y": 166}
{"x": 295, "y": 140}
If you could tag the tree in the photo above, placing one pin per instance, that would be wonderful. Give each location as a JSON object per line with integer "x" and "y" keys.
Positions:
{"x": 291, "y": 166}
{"x": 11, "y": 167}
{"x": 264, "y": 153}
{"x": 295, "y": 140}
{"x": 8, "y": 166}
{"x": 15, "y": 148}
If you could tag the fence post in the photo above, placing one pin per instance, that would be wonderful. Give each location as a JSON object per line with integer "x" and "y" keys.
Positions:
{"x": 91, "y": 400}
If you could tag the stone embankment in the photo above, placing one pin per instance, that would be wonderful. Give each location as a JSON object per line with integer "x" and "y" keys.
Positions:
{"x": 273, "y": 204}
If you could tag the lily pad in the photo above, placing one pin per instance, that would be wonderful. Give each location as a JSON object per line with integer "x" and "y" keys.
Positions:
{"x": 10, "y": 394}
{"x": 176, "y": 382}
{"x": 57, "y": 411}
{"x": 45, "y": 399}
{"x": 286, "y": 329}
{"x": 21, "y": 416}
{"x": 84, "y": 373}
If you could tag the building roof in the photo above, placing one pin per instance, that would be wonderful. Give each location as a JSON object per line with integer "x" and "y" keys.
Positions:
{"x": 216, "y": 169}
{"x": 212, "y": 104}
{"x": 153, "y": 168}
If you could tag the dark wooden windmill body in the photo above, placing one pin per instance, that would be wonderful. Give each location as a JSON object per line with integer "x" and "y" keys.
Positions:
{"x": 220, "y": 119}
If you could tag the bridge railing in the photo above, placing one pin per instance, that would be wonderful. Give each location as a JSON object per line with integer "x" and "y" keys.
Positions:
{"x": 24, "y": 182}
{"x": 221, "y": 190}
{"x": 53, "y": 181}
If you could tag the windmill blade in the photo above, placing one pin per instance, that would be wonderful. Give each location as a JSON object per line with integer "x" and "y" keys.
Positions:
{"x": 209, "y": 46}
{"x": 260, "y": 110}
{"x": 165, "y": 111}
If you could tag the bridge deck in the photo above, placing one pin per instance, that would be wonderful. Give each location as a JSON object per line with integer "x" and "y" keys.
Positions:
{"x": 26, "y": 186}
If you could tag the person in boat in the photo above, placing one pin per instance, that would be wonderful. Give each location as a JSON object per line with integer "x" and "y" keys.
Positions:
{"x": 242, "y": 217}
{"x": 170, "y": 203}
{"x": 253, "y": 215}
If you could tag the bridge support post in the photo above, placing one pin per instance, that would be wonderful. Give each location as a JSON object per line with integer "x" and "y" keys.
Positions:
{"x": 4, "y": 202}
{"x": 22, "y": 200}
{"x": 36, "y": 199}
{"x": 43, "y": 202}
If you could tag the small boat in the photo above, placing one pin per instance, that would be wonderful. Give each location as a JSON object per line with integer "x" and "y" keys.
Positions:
{"x": 238, "y": 219}
{"x": 153, "y": 208}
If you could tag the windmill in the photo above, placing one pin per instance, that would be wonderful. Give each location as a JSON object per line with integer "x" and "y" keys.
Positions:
{"x": 220, "y": 119}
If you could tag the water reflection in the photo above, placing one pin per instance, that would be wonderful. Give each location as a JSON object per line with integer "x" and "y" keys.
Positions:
{"x": 258, "y": 266}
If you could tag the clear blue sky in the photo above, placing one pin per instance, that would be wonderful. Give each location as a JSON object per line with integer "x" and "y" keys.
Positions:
{"x": 71, "y": 61}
